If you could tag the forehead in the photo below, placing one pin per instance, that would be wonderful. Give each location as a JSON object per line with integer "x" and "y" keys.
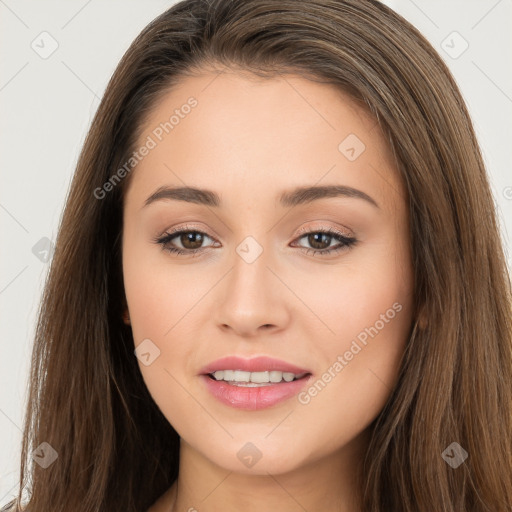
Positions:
{"x": 247, "y": 130}
{"x": 235, "y": 97}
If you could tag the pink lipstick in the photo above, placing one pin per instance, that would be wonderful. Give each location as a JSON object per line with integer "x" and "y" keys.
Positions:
{"x": 253, "y": 384}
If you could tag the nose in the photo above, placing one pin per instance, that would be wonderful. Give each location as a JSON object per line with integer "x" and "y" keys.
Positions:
{"x": 252, "y": 300}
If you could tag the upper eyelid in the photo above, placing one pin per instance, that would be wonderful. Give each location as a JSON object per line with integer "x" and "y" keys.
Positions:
{"x": 348, "y": 233}
{"x": 302, "y": 233}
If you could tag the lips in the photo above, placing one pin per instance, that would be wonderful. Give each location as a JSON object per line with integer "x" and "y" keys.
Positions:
{"x": 249, "y": 395}
{"x": 256, "y": 364}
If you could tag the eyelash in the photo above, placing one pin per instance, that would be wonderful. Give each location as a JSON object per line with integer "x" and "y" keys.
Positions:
{"x": 345, "y": 242}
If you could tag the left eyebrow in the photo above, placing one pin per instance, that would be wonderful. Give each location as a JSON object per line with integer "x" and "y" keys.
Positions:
{"x": 291, "y": 198}
{"x": 303, "y": 195}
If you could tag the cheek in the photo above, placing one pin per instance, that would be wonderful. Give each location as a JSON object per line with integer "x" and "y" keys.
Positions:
{"x": 366, "y": 297}
{"x": 161, "y": 299}
{"x": 353, "y": 387}
{"x": 371, "y": 312}
{"x": 158, "y": 292}
{"x": 158, "y": 303}
{"x": 370, "y": 304}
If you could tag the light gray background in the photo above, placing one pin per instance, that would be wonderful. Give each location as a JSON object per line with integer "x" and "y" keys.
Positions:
{"x": 47, "y": 105}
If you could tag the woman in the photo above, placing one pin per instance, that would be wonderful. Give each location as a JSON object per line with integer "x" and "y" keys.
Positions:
{"x": 278, "y": 281}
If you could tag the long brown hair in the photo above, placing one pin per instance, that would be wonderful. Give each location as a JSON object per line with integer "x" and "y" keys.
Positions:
{"x": 87, "y": 398}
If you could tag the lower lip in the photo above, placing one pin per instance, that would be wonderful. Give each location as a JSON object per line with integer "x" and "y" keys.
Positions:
{"x": 253, "y": 398}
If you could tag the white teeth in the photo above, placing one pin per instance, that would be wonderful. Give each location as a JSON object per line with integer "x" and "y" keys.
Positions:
{"x": 275, "y": 376}
{"x": 259, "y": 377}
{"x": 239, "y": 376}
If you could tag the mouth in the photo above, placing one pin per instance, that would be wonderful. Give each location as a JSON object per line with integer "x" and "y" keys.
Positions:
{"x": 253, "y": 384}
{"x": 255, "y": 379}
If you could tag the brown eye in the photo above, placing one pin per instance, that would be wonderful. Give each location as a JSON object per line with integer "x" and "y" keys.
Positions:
{"x": 320, "y": 241}
{"x": 183, "y": 241}
{"x": 191, "y": 239}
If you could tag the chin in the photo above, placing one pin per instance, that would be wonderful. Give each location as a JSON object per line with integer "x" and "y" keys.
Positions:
{"x": 259, "y": 457}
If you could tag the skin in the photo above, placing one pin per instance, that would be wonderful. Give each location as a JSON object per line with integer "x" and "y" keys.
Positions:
{"x": 249, "y": 140}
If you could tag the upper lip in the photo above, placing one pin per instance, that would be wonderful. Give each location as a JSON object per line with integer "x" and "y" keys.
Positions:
{"x": 255, "y": 364}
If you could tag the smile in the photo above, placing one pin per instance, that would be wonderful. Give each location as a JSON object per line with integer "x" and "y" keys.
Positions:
{"x": 254, "y": 379}
{"x": 253, "y": 384}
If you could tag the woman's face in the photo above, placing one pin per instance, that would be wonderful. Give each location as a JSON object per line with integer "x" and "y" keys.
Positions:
{"x": 264, "y": 281}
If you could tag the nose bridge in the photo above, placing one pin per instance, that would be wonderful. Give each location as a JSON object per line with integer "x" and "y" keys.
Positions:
{"x": 251, "y": 295}
{"x": 250, "y": 250}
{"x": 250, "y": 272}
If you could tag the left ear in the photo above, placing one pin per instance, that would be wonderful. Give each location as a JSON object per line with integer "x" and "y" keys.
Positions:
{"x": 422, "y": 319}
{"x": 126, "y": 317}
